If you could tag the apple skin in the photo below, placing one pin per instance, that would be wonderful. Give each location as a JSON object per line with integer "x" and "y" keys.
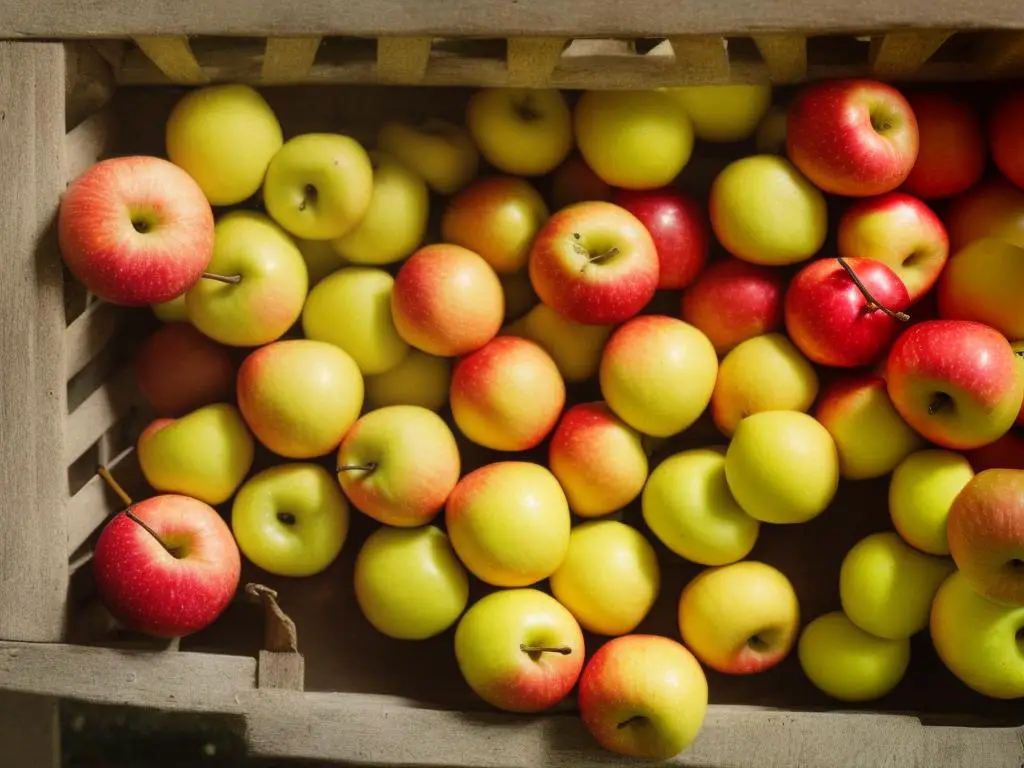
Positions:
{"x": 733, "y": 300}
{"x": 521, "y": 131}
{"x": 770, "y": 137}
{"x": 677, "y": 223}
{"x": 921, "y": 493}
{"x": 179, "y": 369}
{"x": 414, "y": 465}
{"x": 657, "y": 374}
{"x": 955, "y": 382}
{"x": 575, "y": 347}
{"x": 1004, "y": 135}
{"x": 1007, "y": 452}
{"x": 847, "y": 663}
{"x": 1018, "y": 350}
{"x": 951, "y": 150}
{"x": 831, "y": 136}
{"x": 320, "y": 257}
{"x": 290, "y": 520}
{"x": 595, "y": 263}
{"x": 829, "y": 319}
{"x": 724, "y": 113}
{"x": 135, "y": 230}
{"x": 489, "y": 649}
{"x": 408, "y": 582}
{"x": 739, "y": 619}
{"x": 986, "y": 534}
{"x": 497, "y": 218}
{"x": 447, "y": 301}
{"x": 420, "y": 379}
{"x": 901, "y": 232}
{"x": 991, "y": 208}
{"x": 440, "y": 152}
{"x": 977, "y": 639}
{"x": 984, "y": 281}
{"x": 136, "y": 577}
{"x": 575, "y": 182}
{"x": 171, "y": 311}
{"x": 644, "y": 696}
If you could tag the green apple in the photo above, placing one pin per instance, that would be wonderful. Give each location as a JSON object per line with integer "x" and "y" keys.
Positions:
{"x": 688, "y": 506}
{"x": 575, "y": 347}
{"x": 352, "y": 310}
{"x": 921, "y": 493}
{"x": 205, "y": 454}
{"x": 438, "y": 151}
{"x": 290, "y": 520}
{"x": 724, "y": 113}
{"x": 319, "y": 185}
{"x": 847, "y": 663}
{"x": 320, "y": 257}
{"x": 886, "y": 586}
{"x": 266, "y": 285}
{"x": 609, "y": 579}
{"x": 396, "y": 221}
{"x": 172, "y": 311}
{"x": 519, "y": 650}
{"x": 408, "y": 582}
{"x": 420, "y": 379}
{"x": 782, "y": 467}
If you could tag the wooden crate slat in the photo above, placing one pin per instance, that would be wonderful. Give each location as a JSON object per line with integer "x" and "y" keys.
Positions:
{"x": 95, "y": 502}
{"x": 88, "y": 334}
{"x": 899, "y": 53}
{"x": 403, "y": 59}
{"x": 531, "y": 60}
{"x": 284, "y": 670}
{"x": 173, "y": 56}
{"x": 288, "y": 59}
{"x": 92, "y": 140}
{"x": 708, "y": 56}
{"x": 785, "y": 55}
{"x": 1001, "y": 52}
{"x": 98, "y": 413}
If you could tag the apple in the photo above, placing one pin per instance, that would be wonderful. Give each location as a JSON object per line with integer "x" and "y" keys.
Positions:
{"x": 521, "y": 131}
{"x": 901, "y": 232}
{"x": 352, "y": 310}
{"x": 991, "y": 208}
{"x": 956, "y": 382}
{"x": 739, "y": 619}
{"x": 205, "y": 454}
{"x": 852, "y": 137}
{"x": 291, "y": 519}
{"x": 509, "y": 523}
{"x": 178, "y": 369}
{"x": 951, "y": 150}
{"x": 689, "y": 508}
{"x": 676, "y": 222}
{"x": 764, "y": 211}
{"x": 320, "y": 257}
{"x": 978, "y": 640}
{"x": 657, "y": 374}
{"x": 300, "y": 396}
{"x": 770, "y": 136}
{"x": 262, "y": 284}
{"x": 420, "y": 379}
{"x": 644, "y": 696}
{"x": 763, "y": 373}
{"x": 171, "y": 311}
{"x": 519, "y": 650}
{"x": 870, "y": 435}
{"x": 984, "y": 281}
{"x": 1018, "y": 350}
{"x": 921, "y": 493}
{"x": 319, "y": 185}
{"x": 1004, "y": 135}
{"x": 847, "y": 663}
{"x": 985, "y": 529}
{"x": 594, "y": 263}
{"x": 496, "y": 217}
{"x": 733, "y": 300}
{"x": 886, "y": 586}
{"x": 519, "y": 295}
{"x": 398, "y": 464}
{"x": 135, "y": 230}
{"x": 189, "y": 558}
{"x": 575, "y": 182}
{"x": 782, "y": 467}
{"x": 447, "y": 301}
{"x": 845, "y": 313}
{"x": 1006, "y": 452}
{"x": 635, "y": 139}
{"x": 598, "y": 459}
{"x": 724, "y": 113}
{"x": 575, "y": 347}
{"x": 395, "y": 223}
{"x": 441, "y": 153}
{"x": 224, "y": 136}
{"x": 408, "y": 582}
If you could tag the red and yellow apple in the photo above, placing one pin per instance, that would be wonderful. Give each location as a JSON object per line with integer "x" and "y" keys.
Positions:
{"x": 951, "y": 150}
{"x": 575, "y": 347}
{"x": 991, "y": 208}
{"x": 1004, "y": 135}
{"x": 984, "y": 281}
{"x": 575, "y": 182}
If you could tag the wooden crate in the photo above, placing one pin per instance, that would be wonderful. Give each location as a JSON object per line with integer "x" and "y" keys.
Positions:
{"x": 68, "y": 402}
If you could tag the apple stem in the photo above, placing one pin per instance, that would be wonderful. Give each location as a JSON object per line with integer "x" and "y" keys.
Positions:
{"x": 872, "y": 302}
{"x": 229, "y": 279}
{"x": 123, "y": 495}
{"x": 940, "y": 400}
{"x": 598, "y": 258}
{"x": 564, "y": 649}
{"x": 357, "y": 467}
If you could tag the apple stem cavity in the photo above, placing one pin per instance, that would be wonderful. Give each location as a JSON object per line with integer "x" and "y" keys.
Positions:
{"x": 123, "y": 495}
{"x": 593, "y": 258}
{"x": 538, "y": 649}
{"x": 630, "y": 721}
{"x": 872, "y": 302}
{"x": 526, "y": 109}
{"x": 939, "y": 401}
{"x": 229, "y": 279}
{"x": 309, "y": 195}
{"x": 369, "y": 467}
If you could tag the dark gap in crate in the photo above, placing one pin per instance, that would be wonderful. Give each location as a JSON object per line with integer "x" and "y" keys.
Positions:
{"x": 838, "y": 51}
{"x": 82, "y": 469}
{"x": 76, "y": 298}
{"x": 229, "y": 58}
{"x": 340, "y": 51}
{"x": 118, "y": 352}
{"x": 645, "y": 45}
{"x": 495, "y": 48}
{"x": 743, "y": 50}
{"x": 961, "y": 48}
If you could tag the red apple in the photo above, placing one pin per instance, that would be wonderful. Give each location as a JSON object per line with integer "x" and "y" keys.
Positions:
{"x": 135, "y": 230}
{"x": 167, "y": 566}
{"x": 956, "y": 382}
{"x": 834, "y": 321}
{"x": 852, "y": 137}
{"x": 575, "y": 182}
{"x": 1005, "y": 453}
{"x": 677, "y": 224}
{"x": 733, "y": 300}
{"x": 992, "y": 208}
{"x": 951, "y": 150}
{"x": 1005, "y": 138}
{"x": 901, "y": 232}
{"x": 595, "y": 263}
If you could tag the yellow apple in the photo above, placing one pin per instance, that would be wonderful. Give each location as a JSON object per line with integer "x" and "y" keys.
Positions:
{"x": 438, "y": 151}
{"x": 575, "y": 347}
{"x": 688, "y": 506}
{"x": 782, "y": 467}
{"x": 173, "y": 311}
{"x": 849, "y": 664}
{"x": 921, "y": 493}
{"x": 396, "y": 221}
{"x": 633, "y": 139}
{"x": 770, "y": 137}
{"x": 224, "y": 136}
{"x": 521, "y": 131}
{"x": 320, "y": 257}
{"x": 983, "y": 282}
{"x": 519, "y": 294}
{"x": 420, "y": 379}
{"x": 723, "y": 113}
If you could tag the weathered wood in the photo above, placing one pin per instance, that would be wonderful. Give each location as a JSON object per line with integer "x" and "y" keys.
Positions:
{"x": 29, "y": 731}
{"x": 89, "y": 82}
{"x": 173, "y": 57}
{"x": 899, "y": 53}
{"x": 288, "y": 59}
{"x": 98, "y": 413}
{"x": 706, "y": 57}
{"x": 95, "y": 502}
{"x": 785, "y": 55}
{"x": 281, "y": 670}
{"x": 91, "y": 141}
{"x": 88, "y": 334}
{"x": 403, "y": 59}
{"x": 531, "y": 60}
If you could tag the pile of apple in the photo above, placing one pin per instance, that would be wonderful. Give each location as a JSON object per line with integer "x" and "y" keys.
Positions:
{"x": 570, "y": 315}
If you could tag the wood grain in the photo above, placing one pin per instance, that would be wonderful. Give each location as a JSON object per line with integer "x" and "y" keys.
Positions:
{"x": 173, "y": 56}
{"x": 901, "y": 53}
{"x": 785, "y": 56}
{"x": 99, "y": 412}
{"x": 288, "y": 59}
{"x": 94, "y": 139}
{"x": 88, "y": 334}
{"x": 403, "y": 59}
{"x": 531, "y": 60}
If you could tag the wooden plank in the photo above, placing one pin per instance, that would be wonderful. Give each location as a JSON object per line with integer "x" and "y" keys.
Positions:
{"x": 531, "y": 60}
{"x": 288, "y": 59}
{"x": 95, "y": 502}
{"x": 281, "y": 670}
{"x": 98, "y": 413}
{"x": 702, "y": 55}
{"x": 88, "y": 334}
{"x": 785, "y": 55}
{"x": 403, "y": 59}
{"x": 899, "y": 53}
{"x": 93, "y": 140}
{"x": 30, "y": 731}
{"x": 173, "y": 56}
